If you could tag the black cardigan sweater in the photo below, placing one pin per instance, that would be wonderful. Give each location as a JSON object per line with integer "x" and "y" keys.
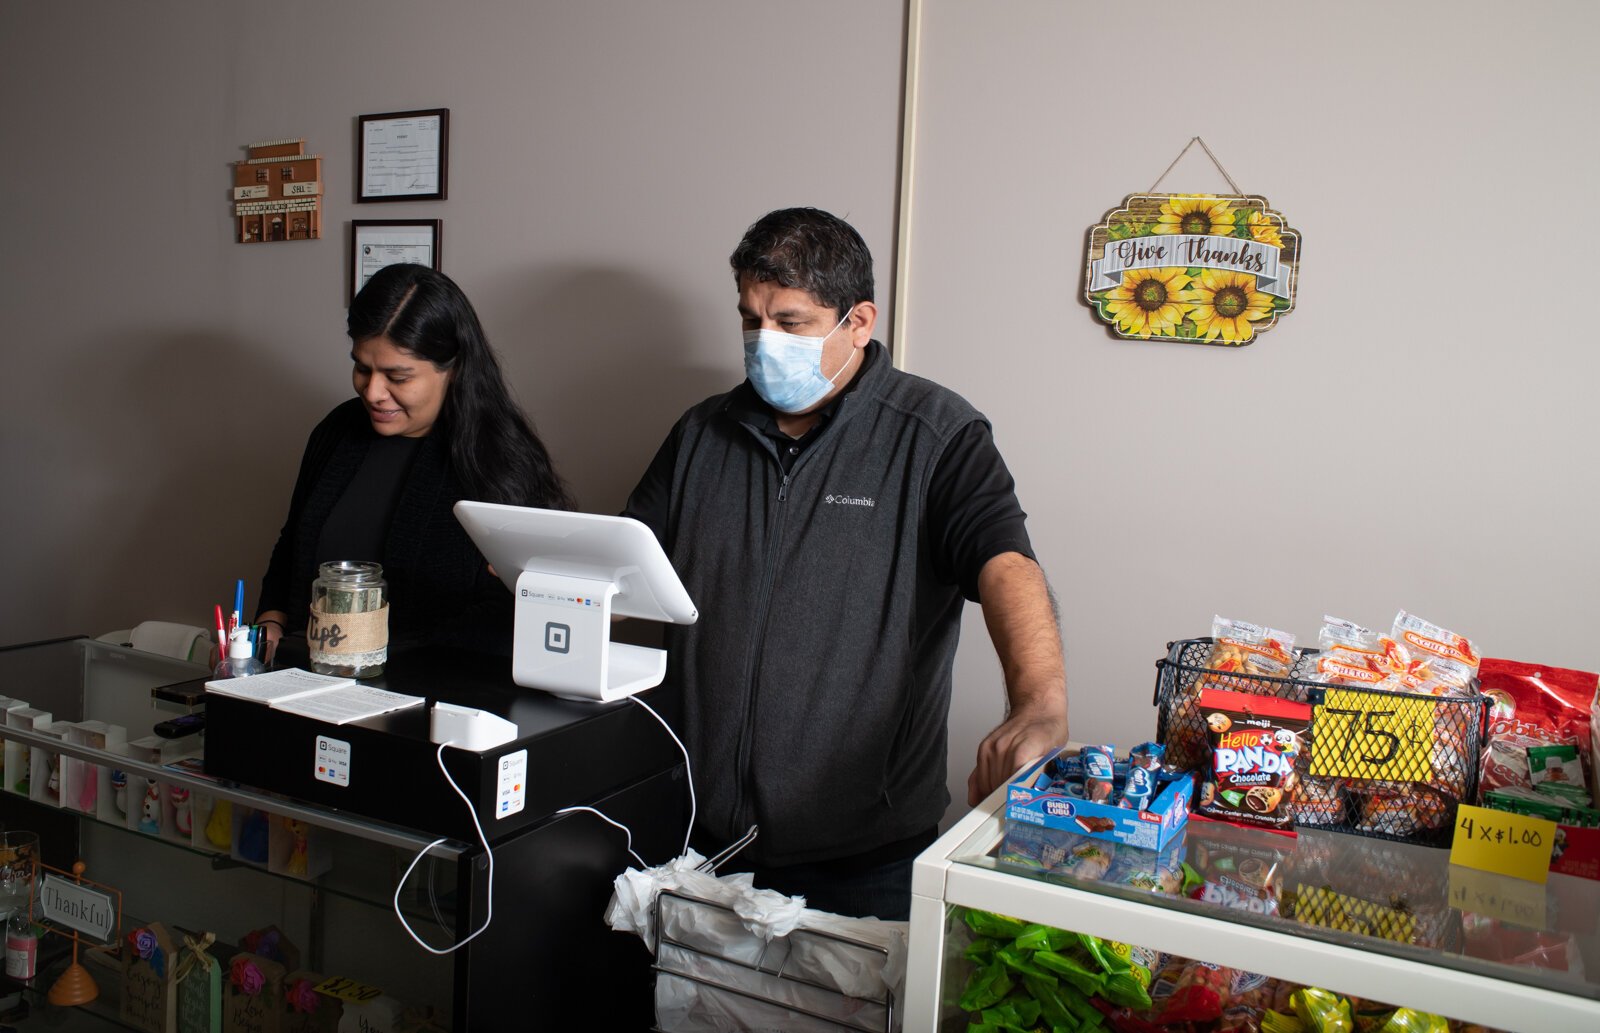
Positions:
{"x": 440, "y": 588}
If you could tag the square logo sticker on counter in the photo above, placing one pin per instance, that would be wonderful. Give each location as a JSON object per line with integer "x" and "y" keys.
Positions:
{"x": 511, "y": 790}
{"x": 332, "y": 761}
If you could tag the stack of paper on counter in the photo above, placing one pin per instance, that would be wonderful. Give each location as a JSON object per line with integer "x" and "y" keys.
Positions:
{"x": 333, "y": 700}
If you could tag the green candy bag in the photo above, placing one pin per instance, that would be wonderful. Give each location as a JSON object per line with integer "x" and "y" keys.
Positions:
{"x": 1052, "y": 998}
{"x": 1044, "y": 938}
{"x": 986, "y": 987}
{"x": 1322, "y": 1011}
{"x": 1069, "y": 969}
{"x": 1000, "y": 927}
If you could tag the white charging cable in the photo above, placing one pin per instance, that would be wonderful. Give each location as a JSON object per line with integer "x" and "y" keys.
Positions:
{"x": 489, "y": 916}
{"x": 688, "y": 772}
{"x": 473, "y": 812}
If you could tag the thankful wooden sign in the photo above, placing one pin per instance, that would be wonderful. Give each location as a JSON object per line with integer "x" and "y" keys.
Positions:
{"x": 1200, "y": 268}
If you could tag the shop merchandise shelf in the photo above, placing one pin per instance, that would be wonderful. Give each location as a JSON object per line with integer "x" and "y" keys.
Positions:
{"x": 1417, "y": 806}
{"x": 1382, "y": 920}
{"x": 713, "y": 974}
{"x": 552, "y": 872}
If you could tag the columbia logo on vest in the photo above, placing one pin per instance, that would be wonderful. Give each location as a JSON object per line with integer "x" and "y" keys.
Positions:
{"x": 850, "y": 500}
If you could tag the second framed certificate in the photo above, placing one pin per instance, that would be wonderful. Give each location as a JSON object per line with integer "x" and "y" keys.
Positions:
{"x": 375, "y": 243}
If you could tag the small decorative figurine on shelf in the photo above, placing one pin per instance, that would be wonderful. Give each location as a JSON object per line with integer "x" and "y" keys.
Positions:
{"x": 52, "y": 788}
{"x": 150, "y": 817}
{"x": 119, "y": 791}
{"x": 299, "y": 845}
{"x": 253, "y": 837}
{"x": 182, "y": 811}
{"x": 219, "y": 829}
{"x": 89, "y": 792}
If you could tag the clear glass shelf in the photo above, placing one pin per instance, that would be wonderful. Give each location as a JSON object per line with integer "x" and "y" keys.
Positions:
{"x": 1372, "y": 895}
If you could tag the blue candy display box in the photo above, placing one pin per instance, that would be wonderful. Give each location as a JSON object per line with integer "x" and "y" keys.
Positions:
{"x": 1030, "y": 799}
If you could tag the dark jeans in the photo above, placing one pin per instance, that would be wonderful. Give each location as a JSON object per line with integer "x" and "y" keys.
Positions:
{"x": 866, "y": 886}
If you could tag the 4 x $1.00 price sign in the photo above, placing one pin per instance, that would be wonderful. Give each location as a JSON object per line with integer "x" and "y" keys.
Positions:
{"x": 1499, "y": 841}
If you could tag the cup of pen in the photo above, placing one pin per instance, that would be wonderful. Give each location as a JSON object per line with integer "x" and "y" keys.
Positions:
{"x": 347, "y": 631}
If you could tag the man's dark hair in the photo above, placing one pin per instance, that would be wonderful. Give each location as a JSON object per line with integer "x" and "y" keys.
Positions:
{"x": 810, "y": 250}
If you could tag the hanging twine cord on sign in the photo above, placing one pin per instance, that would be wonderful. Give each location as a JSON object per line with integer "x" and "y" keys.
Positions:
{"x": 1214, "y": 161}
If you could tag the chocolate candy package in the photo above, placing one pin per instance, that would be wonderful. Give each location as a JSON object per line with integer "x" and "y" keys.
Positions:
{"x": 1256, "y": 742}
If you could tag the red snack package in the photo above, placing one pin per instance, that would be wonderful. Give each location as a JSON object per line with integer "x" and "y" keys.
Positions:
{"x": 1255, "y": 741}
{"x": 1533, "y": 705}
{"x": 1202, "y": 992}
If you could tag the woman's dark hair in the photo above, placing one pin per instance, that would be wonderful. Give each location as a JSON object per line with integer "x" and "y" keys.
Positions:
{"x": 493, "y": 448}
{"x": 807, "y": 249}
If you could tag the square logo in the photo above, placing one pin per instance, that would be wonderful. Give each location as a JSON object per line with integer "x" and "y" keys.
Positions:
{"x": 555, "y": 637}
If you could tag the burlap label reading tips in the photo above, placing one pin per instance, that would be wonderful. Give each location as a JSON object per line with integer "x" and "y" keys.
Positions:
{"x": 351, "y": 633}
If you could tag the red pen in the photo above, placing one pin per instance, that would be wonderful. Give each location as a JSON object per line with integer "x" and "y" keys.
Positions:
{"x": 222, "y": 632}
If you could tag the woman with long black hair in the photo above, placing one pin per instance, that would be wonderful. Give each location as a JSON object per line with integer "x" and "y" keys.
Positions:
{"x": 433, "y": 422}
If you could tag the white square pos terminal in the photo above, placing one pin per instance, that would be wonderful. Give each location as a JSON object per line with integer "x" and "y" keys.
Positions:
{"x": 570, "y": 572}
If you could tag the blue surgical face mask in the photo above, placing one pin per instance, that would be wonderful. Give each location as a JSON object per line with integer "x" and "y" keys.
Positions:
{"x": 786, "y": 369}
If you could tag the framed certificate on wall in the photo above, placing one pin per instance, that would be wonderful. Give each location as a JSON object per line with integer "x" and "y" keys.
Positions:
{"x": 405, "y": 156}
{"x": 380, "y": 242}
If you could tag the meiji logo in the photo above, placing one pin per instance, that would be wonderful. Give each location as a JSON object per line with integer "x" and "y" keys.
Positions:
{"x": 850, "y": 500}
{"x": 1059, "y": 808}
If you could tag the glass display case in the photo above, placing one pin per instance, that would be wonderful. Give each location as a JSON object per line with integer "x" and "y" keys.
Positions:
{"x": 84, "y": 770}
{"x": 1381, "y": 920}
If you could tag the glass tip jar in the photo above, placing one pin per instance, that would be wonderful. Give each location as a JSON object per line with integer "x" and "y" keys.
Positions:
{"x": 348, "y": 627}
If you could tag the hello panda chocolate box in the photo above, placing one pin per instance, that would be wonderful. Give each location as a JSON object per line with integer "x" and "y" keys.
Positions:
{"x": 1256, "y": 745}
{"x": 1039, "y": 796}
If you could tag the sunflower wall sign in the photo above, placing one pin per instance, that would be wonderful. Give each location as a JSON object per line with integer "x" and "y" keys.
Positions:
{"x": 1203, "y": 268}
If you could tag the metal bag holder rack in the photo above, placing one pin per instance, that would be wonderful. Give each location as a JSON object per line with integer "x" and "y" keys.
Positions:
{"x": 770, "y": 981}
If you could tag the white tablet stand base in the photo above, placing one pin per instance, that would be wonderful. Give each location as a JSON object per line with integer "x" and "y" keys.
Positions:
{"x": 563, "y": 646}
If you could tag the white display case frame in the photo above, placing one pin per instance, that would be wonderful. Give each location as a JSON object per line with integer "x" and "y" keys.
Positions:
{"x": 939, "y": 880}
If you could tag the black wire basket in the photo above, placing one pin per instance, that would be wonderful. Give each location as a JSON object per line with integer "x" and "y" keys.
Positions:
{"x": 1432, "y": 763}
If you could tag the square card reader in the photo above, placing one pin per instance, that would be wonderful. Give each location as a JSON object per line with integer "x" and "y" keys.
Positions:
{"x": 570, "y": 573}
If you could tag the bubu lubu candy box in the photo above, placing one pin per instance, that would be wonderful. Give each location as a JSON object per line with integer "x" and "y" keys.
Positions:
{"x": 1035, "y": 799}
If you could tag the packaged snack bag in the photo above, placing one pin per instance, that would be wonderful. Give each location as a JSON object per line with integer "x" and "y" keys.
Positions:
{"x": 1555, "y": 769}
{"x": 1443, "y": 662}
{"x": 1534, "y": 705}
{"x": 1317, "y": 800}
{"x": 1352, "y": 655}
{"x": 1245, "y": 648}
{"x": 1255, "y": 744}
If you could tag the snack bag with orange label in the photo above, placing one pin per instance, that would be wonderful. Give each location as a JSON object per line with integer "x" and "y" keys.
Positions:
{"x": 1351, "y": 655}
{"x": 1442, "y": 663}
{"x": 1245, "y": 648}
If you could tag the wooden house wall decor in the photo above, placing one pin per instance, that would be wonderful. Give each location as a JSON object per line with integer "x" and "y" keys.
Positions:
{"x": 277, "y": 193}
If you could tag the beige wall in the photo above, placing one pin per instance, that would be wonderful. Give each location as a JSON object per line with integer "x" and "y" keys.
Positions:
{"x": 605, "y": 157}
{"x": 1418, "y": 433}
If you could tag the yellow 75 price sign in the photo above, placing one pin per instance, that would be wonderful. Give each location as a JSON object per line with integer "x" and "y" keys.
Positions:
{"x": 1358, "y": 734}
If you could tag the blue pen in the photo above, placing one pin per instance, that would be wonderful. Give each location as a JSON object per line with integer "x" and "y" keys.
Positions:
{"x": 238, "y": 602}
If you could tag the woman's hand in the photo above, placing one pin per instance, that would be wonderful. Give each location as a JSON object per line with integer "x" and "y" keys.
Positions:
{"x": 272, "y": 624}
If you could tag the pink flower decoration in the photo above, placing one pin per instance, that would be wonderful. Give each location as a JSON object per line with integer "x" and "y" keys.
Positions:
{"x": 246, "y": 975}
{"x": 143, "y": 942}
{"x": 302, "y": 997}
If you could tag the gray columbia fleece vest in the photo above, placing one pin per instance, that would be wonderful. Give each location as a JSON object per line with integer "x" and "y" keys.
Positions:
{"x": 816, "y": 685}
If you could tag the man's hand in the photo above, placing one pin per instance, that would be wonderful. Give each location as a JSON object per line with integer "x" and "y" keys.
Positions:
{"x": 1022, "y": 738}
{"x": 1027, "y": 637}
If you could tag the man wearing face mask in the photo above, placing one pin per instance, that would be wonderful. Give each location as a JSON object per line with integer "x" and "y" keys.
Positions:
{"x": 830, "y": 515}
